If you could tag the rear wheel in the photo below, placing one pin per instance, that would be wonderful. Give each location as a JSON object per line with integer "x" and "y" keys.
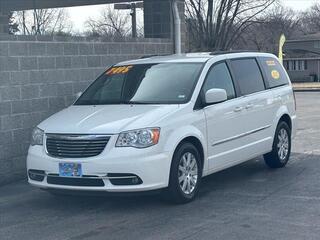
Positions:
{"x": 185, "y": 174}
{"x": 281, "y": 150}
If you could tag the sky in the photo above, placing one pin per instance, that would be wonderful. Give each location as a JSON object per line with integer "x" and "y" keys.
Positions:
{"x": 79, "y": 15}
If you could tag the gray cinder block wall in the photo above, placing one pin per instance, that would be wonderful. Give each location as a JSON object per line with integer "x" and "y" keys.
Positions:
{"x": 4, "y": 27}
{"x": 158, "y": 19}
{"x": 41, "y": 75}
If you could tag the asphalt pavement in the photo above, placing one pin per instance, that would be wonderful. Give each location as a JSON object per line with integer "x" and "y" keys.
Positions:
{"x": 248, "y": 201}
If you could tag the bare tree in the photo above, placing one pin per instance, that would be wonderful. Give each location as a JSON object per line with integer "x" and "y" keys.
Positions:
{"x": 217, "y": 24}
{"x": 311, "y": 19}
{"x": 265, "y": 33}
{"x": 13, "y": 25}
{"x": 110, "y": 23}
{"x": 44, "y": 21}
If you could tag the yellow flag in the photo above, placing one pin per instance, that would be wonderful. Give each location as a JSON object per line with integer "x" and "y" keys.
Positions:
{"x": 281, "y": 44}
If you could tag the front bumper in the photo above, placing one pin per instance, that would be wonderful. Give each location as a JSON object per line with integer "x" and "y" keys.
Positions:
{"x": 150, "y": 165}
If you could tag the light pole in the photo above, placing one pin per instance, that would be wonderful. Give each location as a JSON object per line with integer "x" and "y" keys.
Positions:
{"x": 134, "y": 20}
{"x": 133, "y": 7}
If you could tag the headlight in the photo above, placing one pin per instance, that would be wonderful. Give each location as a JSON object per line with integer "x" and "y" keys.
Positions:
{"x": 141, "y": 138}
{"x": 37, "y": 137}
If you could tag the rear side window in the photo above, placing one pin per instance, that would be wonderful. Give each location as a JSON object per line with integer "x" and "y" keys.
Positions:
{"x": 248, "y": 75}
{"x": 275, "y": 73}
{"x": 219, "y": 77}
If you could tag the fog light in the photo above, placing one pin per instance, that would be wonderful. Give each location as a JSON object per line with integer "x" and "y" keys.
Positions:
{"x": 122, "y": 179}
{"x": 135, "y": 180}
{"x": 36, "y": 175}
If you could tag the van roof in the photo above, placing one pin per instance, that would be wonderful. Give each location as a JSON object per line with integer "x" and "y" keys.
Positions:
{"x": 200, "y": 57}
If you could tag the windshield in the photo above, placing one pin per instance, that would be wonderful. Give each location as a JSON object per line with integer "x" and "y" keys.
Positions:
{"x": 161, "y": 83}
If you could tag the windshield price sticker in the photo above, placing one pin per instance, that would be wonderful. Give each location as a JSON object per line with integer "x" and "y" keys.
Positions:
{"x": 271, "y": 63}
{"x": 119, "y": 70}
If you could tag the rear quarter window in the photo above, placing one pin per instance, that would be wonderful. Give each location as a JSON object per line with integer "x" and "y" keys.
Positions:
{"x": 275, "y": 74}
{"x": 248, "y": 75}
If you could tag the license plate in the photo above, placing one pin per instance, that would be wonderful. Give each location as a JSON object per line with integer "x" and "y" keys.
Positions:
{"x": 70, "y": 170}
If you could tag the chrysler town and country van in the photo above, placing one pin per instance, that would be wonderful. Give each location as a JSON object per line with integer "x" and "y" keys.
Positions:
{"x": 166, "y": 122}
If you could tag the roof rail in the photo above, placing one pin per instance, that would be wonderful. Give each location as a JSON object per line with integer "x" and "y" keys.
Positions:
{"x": 232, "y": 51}
{"x": 154, "y": 55}
{"x": 148, "y": 56}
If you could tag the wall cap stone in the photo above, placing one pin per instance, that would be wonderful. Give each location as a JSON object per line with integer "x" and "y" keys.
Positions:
{"x": 48, "y": 38}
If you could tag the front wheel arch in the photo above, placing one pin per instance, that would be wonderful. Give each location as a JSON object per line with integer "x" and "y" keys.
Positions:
{"x": 197, "y": 143}
{"x": 174, "y": 192}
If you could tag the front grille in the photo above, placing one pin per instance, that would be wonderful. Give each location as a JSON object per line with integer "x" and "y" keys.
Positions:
{"x": 75, "y": 146}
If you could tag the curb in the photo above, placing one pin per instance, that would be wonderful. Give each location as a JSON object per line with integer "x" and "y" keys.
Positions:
{"x": 307, "y": 90}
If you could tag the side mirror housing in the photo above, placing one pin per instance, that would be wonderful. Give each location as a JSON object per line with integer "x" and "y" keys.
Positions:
{"x": 216, "y": 95}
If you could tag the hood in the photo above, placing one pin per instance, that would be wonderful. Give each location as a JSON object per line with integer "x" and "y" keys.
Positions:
{"x": 106, "y": 119}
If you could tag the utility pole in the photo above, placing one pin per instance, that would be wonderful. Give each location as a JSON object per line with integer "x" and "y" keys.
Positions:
{"x": 133, "y": 7}
{"x": 134, "y": 19}
{"x": 24, "y": 22}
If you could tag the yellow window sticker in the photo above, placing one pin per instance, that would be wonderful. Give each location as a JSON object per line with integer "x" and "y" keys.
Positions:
{"x": 271, "y": 63}
{"x": 119, "y": 70}
{"x": 275, "y": 74}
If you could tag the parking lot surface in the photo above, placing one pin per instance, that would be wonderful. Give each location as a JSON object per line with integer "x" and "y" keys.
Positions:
{"x": 248, "y": 201}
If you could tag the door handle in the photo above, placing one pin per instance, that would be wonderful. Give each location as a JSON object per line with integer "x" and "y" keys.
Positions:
{"x": 238, "y": 109}
{"x": 249, "y": 106}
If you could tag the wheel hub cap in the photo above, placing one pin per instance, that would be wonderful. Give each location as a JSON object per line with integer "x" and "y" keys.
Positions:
{"x": 188, "y": 173}
{"x": 283, "y": 144}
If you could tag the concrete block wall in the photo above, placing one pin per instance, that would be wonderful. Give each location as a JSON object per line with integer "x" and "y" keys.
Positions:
{"x": 41, "y": 75}
{"x": 158, "y": 19}
{"x": 4, "y": 22}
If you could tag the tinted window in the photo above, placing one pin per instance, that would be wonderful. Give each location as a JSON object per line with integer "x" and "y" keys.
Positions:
{"x": 143, "y": 84}
{"x": 219, "y": 77}
{"x": 248, "y": 74}
{"x": 275, "y": 73}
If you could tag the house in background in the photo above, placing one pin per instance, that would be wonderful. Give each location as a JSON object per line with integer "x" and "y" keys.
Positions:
{"x": 302, "y": 58}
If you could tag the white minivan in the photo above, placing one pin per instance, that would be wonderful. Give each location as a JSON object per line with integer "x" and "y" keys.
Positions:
{"x": 166, "y": 122}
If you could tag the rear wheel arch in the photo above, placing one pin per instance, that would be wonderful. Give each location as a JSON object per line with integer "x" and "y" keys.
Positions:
{"x": 274, "y": 159}
{"x": 287, "y": 119}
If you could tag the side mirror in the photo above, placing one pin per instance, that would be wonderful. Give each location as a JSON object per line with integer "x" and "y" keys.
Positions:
{"x": 216, "y": 95}
{"x": 78, "y": 95}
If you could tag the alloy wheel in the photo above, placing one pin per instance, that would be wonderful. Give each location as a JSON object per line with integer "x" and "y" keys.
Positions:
{"x": 188, "y": 173}
{"x": 283, "y": 144}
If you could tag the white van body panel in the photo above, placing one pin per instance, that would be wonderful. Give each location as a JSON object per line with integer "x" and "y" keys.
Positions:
{"x": 230, "y": 132}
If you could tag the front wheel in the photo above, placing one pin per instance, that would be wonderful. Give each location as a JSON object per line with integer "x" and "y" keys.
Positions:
{"x": 185, "y": 174}
{"x": 281, "y": 149}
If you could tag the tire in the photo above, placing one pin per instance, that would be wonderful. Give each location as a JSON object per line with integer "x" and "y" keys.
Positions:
{"x": 185, "y": 174}
{"x": 281, "y": 149}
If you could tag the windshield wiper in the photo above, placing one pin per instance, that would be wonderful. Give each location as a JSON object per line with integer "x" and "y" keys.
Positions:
{"x": 138, "y": 103}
